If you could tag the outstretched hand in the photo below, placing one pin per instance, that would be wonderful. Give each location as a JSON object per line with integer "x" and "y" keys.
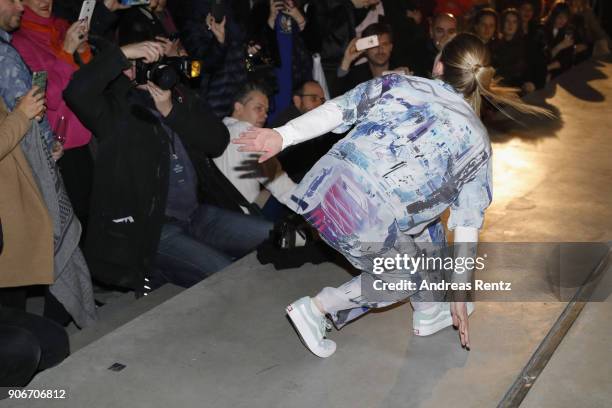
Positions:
{"x": 260, "y": 140}
{"x": 460, "y": 317}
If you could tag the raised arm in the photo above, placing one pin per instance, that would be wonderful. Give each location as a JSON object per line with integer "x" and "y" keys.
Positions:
{"x": 15, "y": 82}
{"x": 337, "y": 115}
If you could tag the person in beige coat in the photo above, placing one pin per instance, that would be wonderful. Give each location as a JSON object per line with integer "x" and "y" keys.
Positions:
{"x": 27, "y": 255}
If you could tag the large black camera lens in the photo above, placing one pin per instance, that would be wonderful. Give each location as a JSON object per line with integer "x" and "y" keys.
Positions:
{"x": 167, "y": 73}
{"x": 164, "y": 76}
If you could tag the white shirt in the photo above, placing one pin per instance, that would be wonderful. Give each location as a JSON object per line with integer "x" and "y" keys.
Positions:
{"x": 243, "y": 171}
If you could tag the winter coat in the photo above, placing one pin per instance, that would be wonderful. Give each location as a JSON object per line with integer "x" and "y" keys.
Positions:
{"x": 132, "y": 168}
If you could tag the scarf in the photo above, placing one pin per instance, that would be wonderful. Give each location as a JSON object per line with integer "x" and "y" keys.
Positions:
{"x": 54, "y": 29}
{"x": 72, "y": 285}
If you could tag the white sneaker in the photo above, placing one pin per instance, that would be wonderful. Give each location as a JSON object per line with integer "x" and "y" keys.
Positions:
{"x": 311, "y": 326}
{"x": 438, "y": 317}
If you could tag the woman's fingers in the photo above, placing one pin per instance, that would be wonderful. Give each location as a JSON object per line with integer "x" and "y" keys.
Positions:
{"x": 467, "y": 335}
{"x": 460, "y": 319}
{"x": 463, "y": 326}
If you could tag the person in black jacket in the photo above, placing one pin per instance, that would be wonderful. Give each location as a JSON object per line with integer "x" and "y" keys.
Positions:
{"x": 509, "y": 56}
{"x": 566, "y": 44}
{"x": 442, "y": 29}
{"x": 146, "y": 218}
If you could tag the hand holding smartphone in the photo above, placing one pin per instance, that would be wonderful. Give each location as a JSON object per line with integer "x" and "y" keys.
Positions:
{"x": 39, "y": 79}
{"x": 367, "y": 43}
{"x": 87, "y": 10}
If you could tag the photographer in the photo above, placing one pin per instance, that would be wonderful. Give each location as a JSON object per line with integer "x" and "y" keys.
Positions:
{"x": 146, "y": 218}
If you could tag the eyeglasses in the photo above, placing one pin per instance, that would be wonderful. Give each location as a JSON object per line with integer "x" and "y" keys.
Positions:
{"x": 320, "y": 98}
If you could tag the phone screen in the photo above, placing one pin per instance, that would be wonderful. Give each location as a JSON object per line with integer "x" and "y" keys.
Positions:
{"x": 134, "y": 2}
{"x": 40, "y": 80}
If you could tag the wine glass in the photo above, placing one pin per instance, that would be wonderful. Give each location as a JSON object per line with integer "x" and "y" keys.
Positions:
{"x": 59, "y": 130}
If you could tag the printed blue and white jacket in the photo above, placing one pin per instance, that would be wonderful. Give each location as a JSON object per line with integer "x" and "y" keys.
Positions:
{"x": 417, "y": 146}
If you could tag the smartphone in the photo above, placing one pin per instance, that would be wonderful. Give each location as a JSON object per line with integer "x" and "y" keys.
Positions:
{"x": 134, "y": 2}
{"x": 87, "y": 10}
{"x": 218, "y": 10}
{"x": 39, "y": 78}
{"x": 367, "y": 42}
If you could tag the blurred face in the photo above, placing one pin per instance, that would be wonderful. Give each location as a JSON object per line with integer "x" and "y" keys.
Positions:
{"x": 41, "y": 8}
{"x": 511, "y": 23}
{"x": 561, "y": 20}
{"x": 485, "y": 29}
{"x": 442, "y": 30}
{"x": 380, "y": 55}
{"x": 254, "y": 110}
{"x": 10, "y": 14}
{"x": 312, "y": 97}
{"x": 526, "y": 12}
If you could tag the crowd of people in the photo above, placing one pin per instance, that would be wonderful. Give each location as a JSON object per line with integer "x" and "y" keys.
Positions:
{"x": 118, "y": 169}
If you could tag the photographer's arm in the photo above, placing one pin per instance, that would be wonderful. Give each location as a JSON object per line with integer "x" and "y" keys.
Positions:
{"x": 104, "y": 18}
{"x": 197, "y": 126}
{"x": 85, "y": 92}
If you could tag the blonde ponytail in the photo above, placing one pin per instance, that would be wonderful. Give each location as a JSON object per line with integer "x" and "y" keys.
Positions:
{"x": 467, "y": 68}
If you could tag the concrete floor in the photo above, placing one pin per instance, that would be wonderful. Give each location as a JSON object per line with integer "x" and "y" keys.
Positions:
{"x": 580, "y": 372}
{"x": 226, "y": 342}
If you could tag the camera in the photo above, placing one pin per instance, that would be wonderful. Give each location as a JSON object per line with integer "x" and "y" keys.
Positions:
{"x": 168, "y": 72}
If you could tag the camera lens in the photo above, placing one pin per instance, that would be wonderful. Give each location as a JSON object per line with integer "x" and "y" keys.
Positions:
{"x": 164, "y": 76}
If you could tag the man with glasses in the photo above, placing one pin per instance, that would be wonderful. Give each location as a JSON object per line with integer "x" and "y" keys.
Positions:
{"x": 296, "y": 161}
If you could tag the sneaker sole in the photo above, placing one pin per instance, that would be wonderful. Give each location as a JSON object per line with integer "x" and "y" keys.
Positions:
{"x": 441, "y": 324}
{"x": 298, "y": 321}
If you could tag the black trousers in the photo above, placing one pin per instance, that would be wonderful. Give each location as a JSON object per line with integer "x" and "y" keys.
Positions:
{"x": 28, "y": 344}
{"x": 15, "y": 298}
{"x": 76, "y": 168}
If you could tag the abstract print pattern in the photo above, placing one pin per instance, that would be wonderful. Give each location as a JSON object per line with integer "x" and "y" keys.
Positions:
{"x": 416, "y": 149}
